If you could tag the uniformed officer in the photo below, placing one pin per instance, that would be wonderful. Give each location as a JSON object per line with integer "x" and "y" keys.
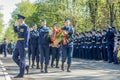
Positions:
{"x": 94, "y": 44}
{"x": 29, "y": 49}
{"x": 89, "y": 46}
{"x": 86, "y": 46}
{"x": 4, "y": 48}
{"x": 98, "y": 45}
{"x": 10, "y": 47}
{"x": 55, "y": 50}
{"x": 82, "y": 45}
{"x": 104, "y": 46}
{"x": 67, "y": 47}
{"x": 110, "y": 43}
{"x": 76, "y": 42}
{"x": 19, "y": 53}
{"x": 34, "y": 46}
{"x": 43, "y": 42}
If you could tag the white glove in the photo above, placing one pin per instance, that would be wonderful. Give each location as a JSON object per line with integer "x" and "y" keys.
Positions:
{"x": 16, "y": 23}
{"x": 26, "y": 49}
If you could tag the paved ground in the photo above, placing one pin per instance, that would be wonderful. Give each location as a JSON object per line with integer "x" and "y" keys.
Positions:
{"x": 81, "y": 70}
{"x": 3, "y": 74}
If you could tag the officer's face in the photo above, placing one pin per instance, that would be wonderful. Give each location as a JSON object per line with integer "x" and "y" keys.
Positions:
{"x": 67, "y": 23}
{"x": 55, "y": 26}
{"x": 93, "y": 32}
{"x": 44, "y": 23}
{"x": 34, "y": 27}
{"x": 20, "y": 21}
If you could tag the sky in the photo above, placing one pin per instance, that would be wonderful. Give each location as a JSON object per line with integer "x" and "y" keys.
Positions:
{"x": 7, "y": 7}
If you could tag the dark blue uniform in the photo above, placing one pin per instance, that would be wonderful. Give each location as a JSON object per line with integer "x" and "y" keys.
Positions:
{"x": 83, "y": 47}
{"x": 67, "y": 50}
{"x": 4, "y": 48}
{"x": 89, "y": 48}
{"x": 110, "y": 43}
{"x": 94, "y": 47}
{"x": 29, "y": 52}
{"x": 98, "y": 45}
{"x": 19, "y": 53}
{"x": 104, "y": 48}
{"x": 34, "y": 46}
{"x": 43, "y": 42}
{"x": 76, "y": 48}
{"x": 55, "y": 55}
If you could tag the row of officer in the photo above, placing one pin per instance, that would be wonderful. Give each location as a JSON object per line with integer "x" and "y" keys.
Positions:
{"x": 91, "y": 45}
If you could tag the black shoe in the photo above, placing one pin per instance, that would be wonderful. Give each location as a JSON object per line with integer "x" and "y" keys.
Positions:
{"x": 57, "y": 64}
{"x": 57, "y": 67}
{"x": 42, "y": 71}
{"x": 46, "y": 71}
{"x": 68, "y": 71}
{"x": 37, "y": 67}
{"x": 32, "y": 65}
{"x": 52, "y": 65}
{"x": 115, "y": 63}
{"x": 18, "y": 76}
{"x": 27, "y": 69}
{"x": 62, "y": 66}
{"x": 42, "y": 68}
{"x": 68, "y": 68}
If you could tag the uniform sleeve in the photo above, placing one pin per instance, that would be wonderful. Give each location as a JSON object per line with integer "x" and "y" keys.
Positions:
{"x": 71, "y": 31}
{"x": 15, "y": 28}
{"x": 26, "y": 37}
{"x": 31, "y": 35}
{"x": 115, "y": 47}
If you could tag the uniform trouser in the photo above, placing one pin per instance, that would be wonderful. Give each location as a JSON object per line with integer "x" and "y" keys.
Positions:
{"x": 19, "y": 56}
{"x": 99, "y": 56}
{"x": 89, "y": 53}
{"x": 5, "y": 53}
{"x": 35, "y": 53}
{"x": 79, "y": 51}
{"x": 74, "y": 52}
{"x": 11, "y": 50}
{"x": 67, "y": 54}
{"x": 115, "y": 57}
{"x": 84, "y": 53}
{"x": 44, "y": 54}
{"x": 110, "y": 52}
{"x": 104, "y": 53}
{"x": 55, "y": 53}
{"x": 29, "y": 52}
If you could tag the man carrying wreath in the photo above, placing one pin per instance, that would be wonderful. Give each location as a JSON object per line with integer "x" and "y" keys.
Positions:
{"x": 55, "y": 45}
{"x": 67, "y": 45}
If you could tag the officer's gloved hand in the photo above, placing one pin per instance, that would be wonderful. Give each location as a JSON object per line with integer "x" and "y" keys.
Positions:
{"x": 26, "y": 49}
{"x": 16, "y": 23}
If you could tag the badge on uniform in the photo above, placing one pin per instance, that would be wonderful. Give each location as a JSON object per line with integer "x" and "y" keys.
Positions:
{"x": 21, "y": 30}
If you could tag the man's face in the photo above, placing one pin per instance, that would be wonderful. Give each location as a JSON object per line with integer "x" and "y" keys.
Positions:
{"x": 67, "y": 23}
{"x": 34, "y": 27}
{"x": 93, "y": 32}
{"x": 56, "y": 25}
{"x": 44, "y": 23}
{"x": 20, "y": 21}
